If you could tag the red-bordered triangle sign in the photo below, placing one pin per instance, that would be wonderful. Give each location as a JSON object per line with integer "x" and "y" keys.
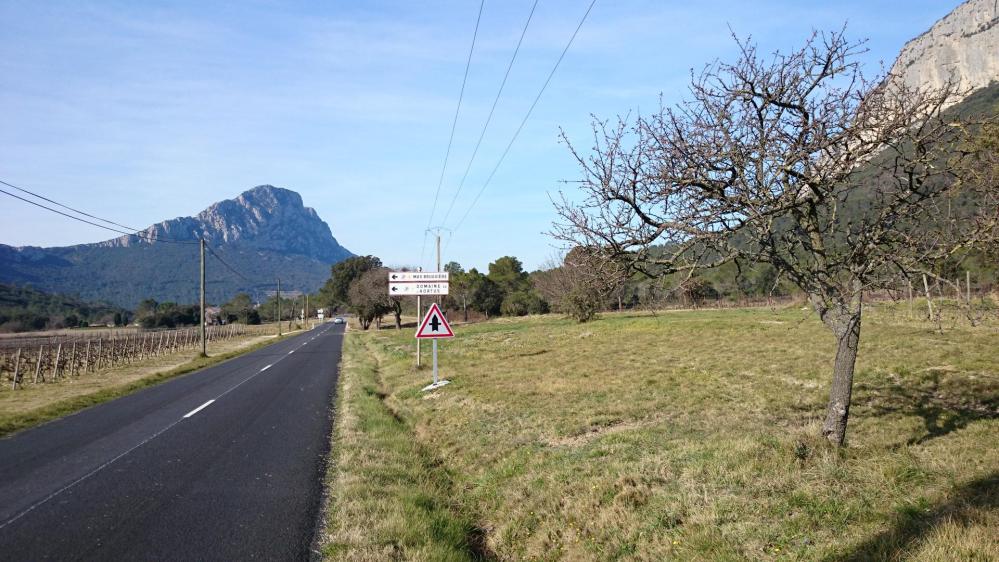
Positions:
{"x": 434, "y": 325}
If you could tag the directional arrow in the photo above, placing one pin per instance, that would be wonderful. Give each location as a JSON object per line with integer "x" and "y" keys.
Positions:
{"x": 418, "y": 276}
{"x": 417, "y": 288}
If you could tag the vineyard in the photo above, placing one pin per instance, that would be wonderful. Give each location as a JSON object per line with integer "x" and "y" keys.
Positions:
{"x": 41, "y": 359}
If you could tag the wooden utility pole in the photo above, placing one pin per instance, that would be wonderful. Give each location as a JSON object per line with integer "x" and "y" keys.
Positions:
{"x": 279, "y": 306}
{"x": 204, "y": 344}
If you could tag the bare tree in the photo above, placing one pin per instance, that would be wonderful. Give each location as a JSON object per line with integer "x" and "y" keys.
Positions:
{"x": 842, "y": 184}
{"x": 369, "y": 299}
{"x": 580, "y": 283}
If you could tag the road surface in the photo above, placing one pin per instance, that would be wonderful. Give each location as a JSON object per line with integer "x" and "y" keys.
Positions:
{"x": 223, "y": 464}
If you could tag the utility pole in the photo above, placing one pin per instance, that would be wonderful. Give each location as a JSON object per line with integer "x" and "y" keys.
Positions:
{"x": 419, "y": 308}
{"x": 279, "y": 306}
{"x": 305, "y": 314}
{"x": 440, "y": 299}
{"x": 204, "y": 347}
{"x": 419, "y": 320}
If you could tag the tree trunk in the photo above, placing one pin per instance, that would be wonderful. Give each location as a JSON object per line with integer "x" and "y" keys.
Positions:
{"x": 464, "y": 308}
{"x": 846, "y": 326}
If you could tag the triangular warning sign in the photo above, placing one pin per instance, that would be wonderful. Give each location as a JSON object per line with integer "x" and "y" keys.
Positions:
{"x": 434, "y": 325}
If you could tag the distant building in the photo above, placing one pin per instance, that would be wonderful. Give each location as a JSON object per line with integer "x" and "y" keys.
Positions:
{"x": 213, "y": 315}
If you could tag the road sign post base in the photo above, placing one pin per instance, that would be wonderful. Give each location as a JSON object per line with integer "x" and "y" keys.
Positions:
{"x": 435, "y": 386}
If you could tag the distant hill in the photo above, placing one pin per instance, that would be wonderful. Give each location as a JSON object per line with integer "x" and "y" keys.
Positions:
{"x": 265, "y": 233}
{"x": 25, "y": 308}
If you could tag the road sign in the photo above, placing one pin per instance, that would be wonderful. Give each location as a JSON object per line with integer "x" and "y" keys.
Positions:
{"x": 416, "y": 283}
{"x": 418, "y": 276}
{"x": 434, "y": 325}
{"x": 413, "y": 288}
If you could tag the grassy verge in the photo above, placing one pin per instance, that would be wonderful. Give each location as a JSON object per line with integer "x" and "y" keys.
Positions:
{"x": 390, "y": 498}
{"x": 22, "y": 409}
{"x": 688, "y": 435}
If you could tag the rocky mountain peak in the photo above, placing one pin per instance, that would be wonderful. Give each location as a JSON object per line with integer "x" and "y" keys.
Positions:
{"x": 962, "y": 46}
{"x": 265, "y": 217}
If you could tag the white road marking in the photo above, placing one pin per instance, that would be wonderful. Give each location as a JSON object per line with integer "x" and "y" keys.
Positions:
{"x": 290, "y": 352}
{"x": 198, "y": 409}
{"x": 72, "y": 484}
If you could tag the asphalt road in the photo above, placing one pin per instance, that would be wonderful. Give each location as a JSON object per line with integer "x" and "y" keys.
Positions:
{"x": 222, "y": 464}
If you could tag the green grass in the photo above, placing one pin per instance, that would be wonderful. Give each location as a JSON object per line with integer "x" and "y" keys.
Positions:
{"x": 48, "y": 410}
{"x": 687, "y": 435}
{"x": 391, "y": 500}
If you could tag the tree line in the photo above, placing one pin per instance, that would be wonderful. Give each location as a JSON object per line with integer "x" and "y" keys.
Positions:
{"x": 579, "y": 284}
{"x": 24, "y": 308}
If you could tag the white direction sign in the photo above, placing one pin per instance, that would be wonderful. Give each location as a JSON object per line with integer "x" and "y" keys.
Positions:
{"x": 411, "y": 283}
{"x": 434, "y": 325}
{"x": 414, "y": 276}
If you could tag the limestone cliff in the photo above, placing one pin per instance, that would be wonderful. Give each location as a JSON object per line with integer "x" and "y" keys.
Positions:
{"x": 962, "y": 46}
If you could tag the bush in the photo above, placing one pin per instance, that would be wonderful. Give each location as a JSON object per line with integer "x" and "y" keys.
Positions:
{"x": 522, "y": 303}
{"x": 582, "y": 304}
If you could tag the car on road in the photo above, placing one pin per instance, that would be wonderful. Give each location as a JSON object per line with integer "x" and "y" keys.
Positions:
{"x": 339, "y": 320}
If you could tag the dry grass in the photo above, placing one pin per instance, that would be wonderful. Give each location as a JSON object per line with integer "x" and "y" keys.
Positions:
{"x": 36, "y": 403}
{"x": 687, "y": 436}
{"x": 391, "y": 500}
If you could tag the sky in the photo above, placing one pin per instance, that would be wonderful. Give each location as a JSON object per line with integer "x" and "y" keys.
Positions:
{"x": 144, "y": 111}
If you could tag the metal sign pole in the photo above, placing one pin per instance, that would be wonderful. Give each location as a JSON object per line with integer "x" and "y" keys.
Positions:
{"x": 419, "y": 315}
{"x": 435, "y": 361}
{"x": 434, "y": 326}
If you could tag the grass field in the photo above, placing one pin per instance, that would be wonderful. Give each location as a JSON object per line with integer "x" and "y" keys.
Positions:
{"x": 682, "y": 436}
{"x": 38, "y": 403}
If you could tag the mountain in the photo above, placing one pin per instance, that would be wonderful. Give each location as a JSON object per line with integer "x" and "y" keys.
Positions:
{"x": 962, "y": 46}
{"x": 263, "y": 234}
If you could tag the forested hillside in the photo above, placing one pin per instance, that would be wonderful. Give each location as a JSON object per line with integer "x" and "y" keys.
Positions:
{"x": 25, "y": 309}
{"x": 263, "y": 234}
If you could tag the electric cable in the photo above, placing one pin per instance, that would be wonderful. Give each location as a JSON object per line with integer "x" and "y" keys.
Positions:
{"x": 492, "y": 110}
{"x": 454, "y": 122}
{"x": 77, "y": 211}
{"x": 524, "y": 120}
{"x": 125, "y": 232}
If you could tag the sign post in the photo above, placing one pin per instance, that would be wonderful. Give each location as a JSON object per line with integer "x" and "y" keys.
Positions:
{"x": 434, "y": 326}
{"x": 418, "y": 283}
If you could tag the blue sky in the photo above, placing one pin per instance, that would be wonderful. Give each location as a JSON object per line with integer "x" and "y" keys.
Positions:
{"x": 141, "y": 112}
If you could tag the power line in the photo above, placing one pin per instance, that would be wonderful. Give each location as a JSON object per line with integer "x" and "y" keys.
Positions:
{"x": 526, "y": 117}
{"x": 226, "y": 264}
{"x": 136, "y": 233}
{"x": 77, "y": 211}
{"x": 489, "y": 118}
{"x": 454, "y": 122}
